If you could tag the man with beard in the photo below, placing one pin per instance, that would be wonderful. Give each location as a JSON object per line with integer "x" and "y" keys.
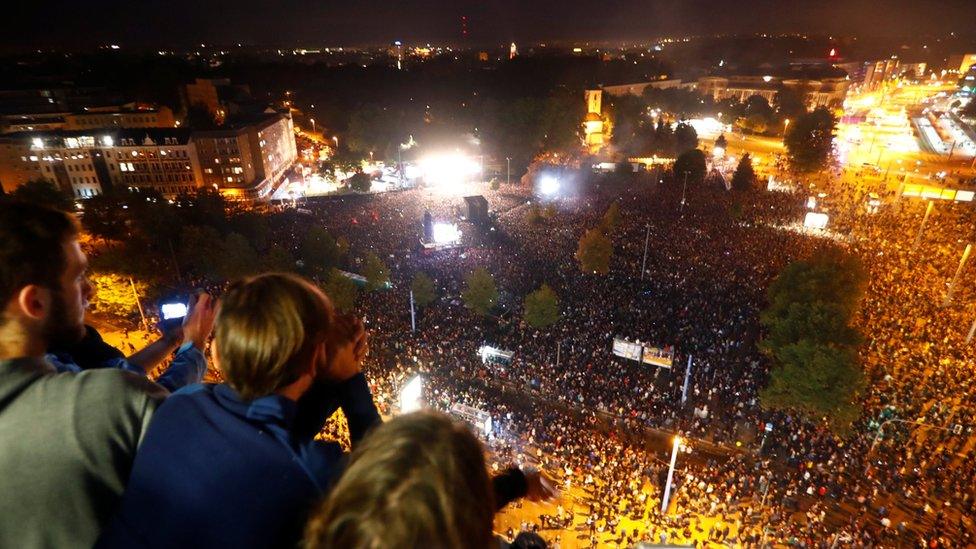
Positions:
{"x": 67, "y": 440}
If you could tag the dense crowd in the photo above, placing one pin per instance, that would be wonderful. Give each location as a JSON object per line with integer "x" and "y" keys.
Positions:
{"x": 602, "y": 424}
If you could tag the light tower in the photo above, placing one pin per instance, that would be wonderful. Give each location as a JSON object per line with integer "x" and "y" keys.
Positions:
{"x": 399, "y": 54}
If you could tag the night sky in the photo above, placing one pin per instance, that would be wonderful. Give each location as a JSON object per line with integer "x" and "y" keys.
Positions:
{"x": 174, "y": 23}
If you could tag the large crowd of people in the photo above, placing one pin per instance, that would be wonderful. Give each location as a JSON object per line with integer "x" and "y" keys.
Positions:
{"x": 602, "y": 424}
{"x": 691, "y": 274}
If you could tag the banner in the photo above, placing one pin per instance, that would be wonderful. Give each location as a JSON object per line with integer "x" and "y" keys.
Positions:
{"x": 658, "y": 356}
{"x": 626, "y": 349}
{"x": 662, "y": 357}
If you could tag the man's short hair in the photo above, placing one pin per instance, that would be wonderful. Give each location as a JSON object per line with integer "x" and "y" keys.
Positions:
{"x": 267, "y": 330}
{"x": 419, "y": 480}
{"x": 32, "y": 241}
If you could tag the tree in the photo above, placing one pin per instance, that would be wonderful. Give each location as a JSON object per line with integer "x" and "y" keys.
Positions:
{"x": 480, "y": 294}
{"x": 594, "y": 252}
{"x": 423, "y": 289}
{"x": 755, "y": 123}
{"x": 319, "y": 251}
{"x": 105, "y": 216}
{"x": 236, "y": 258}
{"x": 809, "y": 140}
{"x": 541, "y": 307}
{"x": 278, "y": 258}
{"x": 744, "y": 178}
{"x": 612, "y": 217}
{"x": 360, "y": 182}
{"x": 789, "y": 103}
{"x": 685, "y": 137}
{"x": 341, "y": 290}
{"x": 691, "y": 162}
{"x": 811, "y": 339}
{"x": 197, "y": 244}
{"x": 376, "y": 272}
{"x": 113, "y": 294}
{"x": 721, "y": 142}
{"x": 44, "y": 193}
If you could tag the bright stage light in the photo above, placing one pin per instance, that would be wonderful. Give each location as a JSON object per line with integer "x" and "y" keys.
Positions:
{"x": 410, "y": 395}
{"x": 449, "y": 169}
{"x": 548, "y": 185}
{"x": 445, "y": 233}
{"x": 815, "y": 220}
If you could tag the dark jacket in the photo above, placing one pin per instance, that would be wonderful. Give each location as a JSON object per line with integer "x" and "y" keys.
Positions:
{"x": 217, "y": 471}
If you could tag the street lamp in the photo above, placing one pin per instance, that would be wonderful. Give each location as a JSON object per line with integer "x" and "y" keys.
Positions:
{"x": 667, "y": 487}
{"x": 312, "y": 120}
{"x": 336, "y": 139}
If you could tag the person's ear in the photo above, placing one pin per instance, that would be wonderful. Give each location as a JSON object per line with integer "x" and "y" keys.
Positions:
{"x": 35, "y": 302}
{"x": 320, "y": 361}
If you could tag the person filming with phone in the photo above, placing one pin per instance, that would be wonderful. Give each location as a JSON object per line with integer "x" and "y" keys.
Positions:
{"x": 236, "y": 464}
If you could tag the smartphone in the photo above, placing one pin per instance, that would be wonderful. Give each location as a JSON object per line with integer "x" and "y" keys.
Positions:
{"x": 173, "y": 311}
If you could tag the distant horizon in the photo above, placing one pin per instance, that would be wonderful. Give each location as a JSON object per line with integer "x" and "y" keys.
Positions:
{"x": 71, "y": 26}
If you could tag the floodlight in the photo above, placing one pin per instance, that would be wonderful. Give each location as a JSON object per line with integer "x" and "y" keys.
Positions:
{"x": 411, "y": 394}
{"x": 815, "y": 220}
{"x": 445, "y": 233}
{"x": 548, "y": 185}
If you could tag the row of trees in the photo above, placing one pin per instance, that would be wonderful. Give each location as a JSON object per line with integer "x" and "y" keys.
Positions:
{"x": 812, "y": 341}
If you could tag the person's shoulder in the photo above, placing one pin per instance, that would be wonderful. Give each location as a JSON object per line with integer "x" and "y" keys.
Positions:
{"x": 107, "y": 383}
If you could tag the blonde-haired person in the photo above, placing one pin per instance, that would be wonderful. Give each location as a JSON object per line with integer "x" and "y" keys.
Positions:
{"x": 419, "y": 480}
{"x": 236, "y": 464}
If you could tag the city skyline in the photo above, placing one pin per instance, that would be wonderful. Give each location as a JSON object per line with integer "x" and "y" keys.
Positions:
{"x": 180, "y": 23}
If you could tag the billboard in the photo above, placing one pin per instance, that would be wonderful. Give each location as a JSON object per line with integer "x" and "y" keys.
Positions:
{"x": 626, "y": 349}
{"x": 658, "y": 356}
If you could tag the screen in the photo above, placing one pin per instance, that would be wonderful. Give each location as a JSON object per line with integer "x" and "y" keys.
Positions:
{"x": 174, "y": 310}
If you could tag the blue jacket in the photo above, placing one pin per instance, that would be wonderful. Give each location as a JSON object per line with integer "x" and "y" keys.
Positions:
{"x": 188, "y": 366}
{"x": 217, "y": 471}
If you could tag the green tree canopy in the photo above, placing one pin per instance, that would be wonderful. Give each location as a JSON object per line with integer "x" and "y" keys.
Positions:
{"x": 480, "y": 294}
{"x": 360, "y": 182}
{"x": 376, "y": 272}
{"x": 691, "y": 162}
{"x": 44, "y": 193}
{"x": 721, "y": 142}
{"x": 278, "y": 258}
{"x": 236, "y": 258}
{"x": 197, "y": 244}
{"x": 809, "y": 140}
{"x": 685, "y": 137}
{"x": 594, "y": 252}
{"x": 811, "y": 340}
{"x": 423, "y": 289}
{"x": 105, "y": 216}
{"x": 319, "y": 251}
{"x": 789, "y": 103}
{"x": 744, "y": 178}
{"x": 541, "y": 307}
{"x": 341, "y": 290}
{"x": 612, "y": 217}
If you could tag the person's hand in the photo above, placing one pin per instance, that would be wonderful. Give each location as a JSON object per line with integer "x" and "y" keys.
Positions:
{"x": 346, "y": 348}
{"x": 199, "y": 321}
{"x": 539, "y": 486}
